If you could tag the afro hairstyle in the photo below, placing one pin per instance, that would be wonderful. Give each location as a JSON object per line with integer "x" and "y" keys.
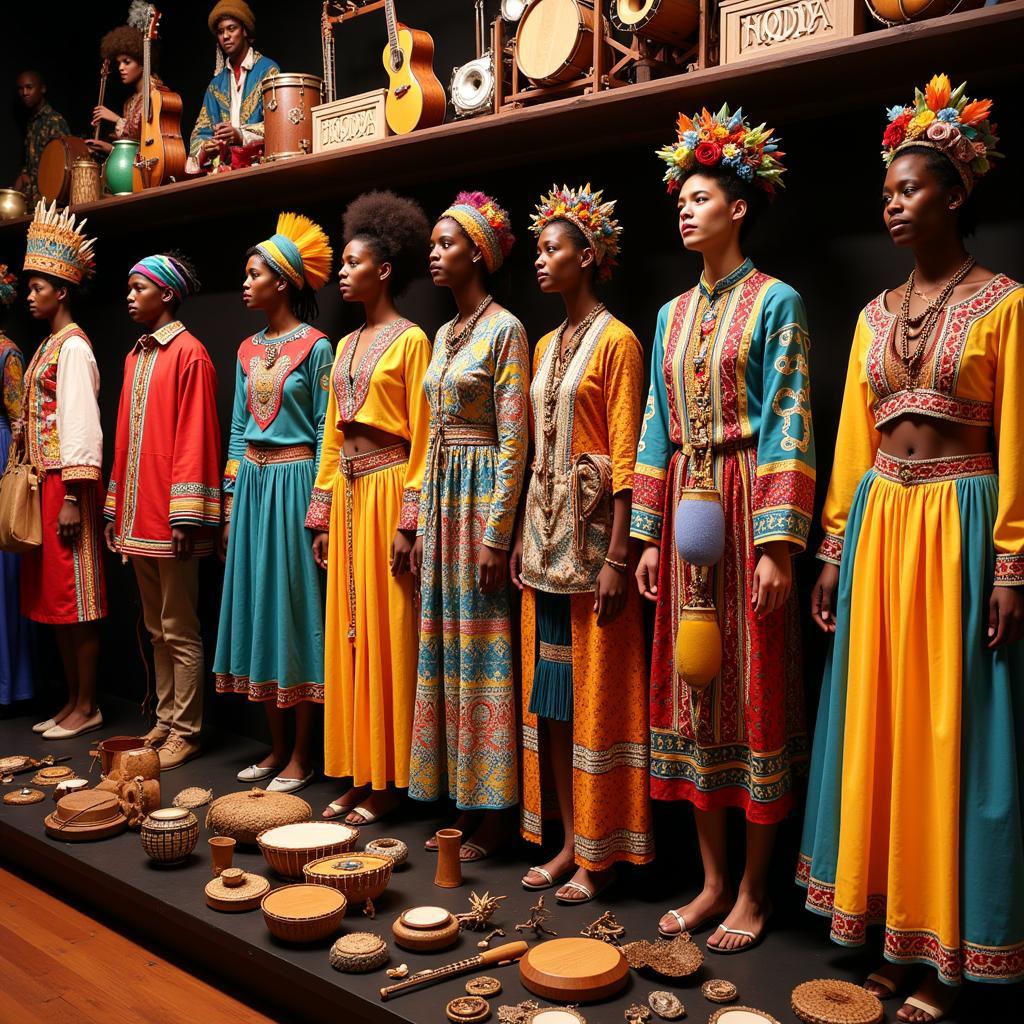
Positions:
{"x": 396, "y": 230}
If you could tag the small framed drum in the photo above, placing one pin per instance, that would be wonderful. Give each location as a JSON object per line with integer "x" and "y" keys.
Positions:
{"x": 555, "y": 40}
{"x": 665, "y": 21}
{"x": 55, "y": 167}
{"x": 288, "y": 102}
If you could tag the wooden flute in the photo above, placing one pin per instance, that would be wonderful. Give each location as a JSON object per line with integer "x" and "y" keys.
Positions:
{"x": 506, "y": 954}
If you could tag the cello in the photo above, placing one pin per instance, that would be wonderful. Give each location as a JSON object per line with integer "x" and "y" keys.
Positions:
{"x": 161, "y": 148}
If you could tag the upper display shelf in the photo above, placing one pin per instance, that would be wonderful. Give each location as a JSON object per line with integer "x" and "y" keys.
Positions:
{"x": 862, "y": 71}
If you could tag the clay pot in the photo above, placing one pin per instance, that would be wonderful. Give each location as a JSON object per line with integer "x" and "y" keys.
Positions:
{"x": 119, "y": 170}
{"x": 138, "y": 761}
{"x": 113, "y": 744}
{"x": 222, "y": 852}
{"x": 449, "y": 867}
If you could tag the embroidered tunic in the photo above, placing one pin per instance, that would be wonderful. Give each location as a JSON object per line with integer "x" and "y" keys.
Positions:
{"x": 372, "y": 625}
{"x": 733, "y": 746}
{"x": 464, "y": 726}
{"x": 166, "y": 470}
{"x": 917, "y": 778}
{"x": 598, "y": 414}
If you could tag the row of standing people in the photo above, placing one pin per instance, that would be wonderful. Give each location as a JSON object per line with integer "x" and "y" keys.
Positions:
{"x": 421, "y": 453}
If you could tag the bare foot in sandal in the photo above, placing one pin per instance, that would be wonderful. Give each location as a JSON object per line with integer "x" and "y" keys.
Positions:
{"x": 585, "y": 885}
{"x": 495, "y": 829}
{"x": 345, "y": 802}
{"x": 931, "y": 1002}
{"x": 558, "y": 867}
{"x": 743, "y": 928}
{"x": 706, "y": 905}
{"x": 883, "y": 982}
{"x": 373, "y": 808}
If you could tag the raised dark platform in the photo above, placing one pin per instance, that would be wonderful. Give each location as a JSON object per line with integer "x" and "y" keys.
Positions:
{"x": 167, "y": 907}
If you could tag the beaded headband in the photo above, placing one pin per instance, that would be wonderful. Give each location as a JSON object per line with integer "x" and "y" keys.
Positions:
{"x": 583, "y": 208}
{"x": 945, "y": 120}
{"x": 724, "y": 140}
{"x": 486, "y": 223}
{"x": 56, "y": 246}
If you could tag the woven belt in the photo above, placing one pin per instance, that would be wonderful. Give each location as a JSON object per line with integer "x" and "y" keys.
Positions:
{"x": 558, "y": 653}
{"x": 929, "y": 471}
{"x": 455, "y": 435}
{"x": 272, "y": 456}
{"x": 352, "y": 467}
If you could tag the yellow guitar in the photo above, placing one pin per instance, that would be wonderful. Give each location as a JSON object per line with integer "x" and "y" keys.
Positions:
{"x": 416, "y": 99}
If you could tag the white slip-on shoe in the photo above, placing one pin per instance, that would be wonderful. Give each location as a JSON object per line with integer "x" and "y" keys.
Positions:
{"x": 58, "y": 732}
{"x": 280, "y": 785}
{"x": 254, "y": 773}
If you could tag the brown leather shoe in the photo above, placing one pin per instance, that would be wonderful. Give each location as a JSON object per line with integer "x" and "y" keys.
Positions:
{"x": 156, "y": 736}
{"x": 176, "y": 750}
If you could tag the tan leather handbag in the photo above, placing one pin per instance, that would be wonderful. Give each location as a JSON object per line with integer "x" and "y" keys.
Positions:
{"x": 21, "y": 518}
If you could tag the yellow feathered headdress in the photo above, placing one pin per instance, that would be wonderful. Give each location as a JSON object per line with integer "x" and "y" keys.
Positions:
{"x": 299, "y": 250}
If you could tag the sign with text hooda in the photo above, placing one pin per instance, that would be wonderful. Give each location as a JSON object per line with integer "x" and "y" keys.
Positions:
{"x": 757, "y": 28}
{"x": 350, "y": 120}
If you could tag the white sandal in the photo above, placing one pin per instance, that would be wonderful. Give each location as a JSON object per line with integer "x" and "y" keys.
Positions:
{"x": 934, "y": 1012}
{"x": 679, "y": 919}
{"x": 887, "y": 983}
{"x": 755, "y": 940}
{"x": 578, "y": 887}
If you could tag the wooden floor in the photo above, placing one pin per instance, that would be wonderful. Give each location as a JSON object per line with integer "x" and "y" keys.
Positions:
{"x": 61, "y": 967}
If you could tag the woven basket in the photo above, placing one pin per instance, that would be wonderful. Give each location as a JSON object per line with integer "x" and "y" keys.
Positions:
{"x": 243, "y": 816}
{"x": 303, "y": 913}
{"x": 364, "y": 881}
{"x": 387, "y": 847}
{"x": 358, "y": 953}
{"x": 672, "y": 958}
{"x": 827, "y": 1001}
{"x": 289, "y": 848}
{"x": 170, "y": 834}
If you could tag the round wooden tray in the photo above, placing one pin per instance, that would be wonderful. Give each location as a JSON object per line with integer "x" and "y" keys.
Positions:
{"x": 426, "y": 940}
{"x": 574, "y": 970}
{"x": 235, "y": 899}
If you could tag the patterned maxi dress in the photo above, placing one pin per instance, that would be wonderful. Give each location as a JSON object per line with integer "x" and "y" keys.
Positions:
{"x": 464, "y": 722}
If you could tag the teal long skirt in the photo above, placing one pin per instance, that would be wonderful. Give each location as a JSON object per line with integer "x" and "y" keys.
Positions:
{"x": 270, "y": 643}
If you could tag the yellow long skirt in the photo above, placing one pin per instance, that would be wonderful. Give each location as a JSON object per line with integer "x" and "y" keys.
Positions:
{"x": 370, "y": 680}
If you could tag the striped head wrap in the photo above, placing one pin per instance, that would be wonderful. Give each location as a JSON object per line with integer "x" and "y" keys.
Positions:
{"x": 299, "y": 251}
{"x": 486, "y": 223}
{"x": 164, "y": 272}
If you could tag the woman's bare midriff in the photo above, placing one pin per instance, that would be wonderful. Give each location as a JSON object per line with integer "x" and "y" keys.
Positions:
{"x": 361, "y": 438}
{"x": 924, "y": 437}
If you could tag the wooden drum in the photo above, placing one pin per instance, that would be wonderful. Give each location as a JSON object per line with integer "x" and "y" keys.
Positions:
{"x": 288, "y": 102}
{"x": 55, "y": 166}
{"x": 665, "y": 21}
{"x": 555, "y": 40}
{"x": 900, "y": 12}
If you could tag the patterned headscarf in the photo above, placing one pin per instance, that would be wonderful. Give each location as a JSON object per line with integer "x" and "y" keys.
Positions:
{"x": 299, "y": 251}
{"x": 486, "y": 223}
{"x": 164, "y": 272}
{"x": 8, "y": 286}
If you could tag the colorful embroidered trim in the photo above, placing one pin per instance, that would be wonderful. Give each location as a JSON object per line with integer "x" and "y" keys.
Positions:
{"x": 56, "y": 246}
{"x": 559, "y": 654}
{"x": 910, "y": 472}
{"x": 925, "y": 402}
{"x": 1009, "y": 570}
{"x": 318, "y": 515}
{"x": 831, "y": 549}
{"x": 486, "y": 223}
{"x": 274, "y": 456}
{"x": 283, "y": 696}
{"x": 351, "y": 388}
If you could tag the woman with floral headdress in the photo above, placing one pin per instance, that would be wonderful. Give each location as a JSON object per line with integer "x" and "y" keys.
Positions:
{"x": 270, "y": 644}
{"x": 727, "y": 450}
{"x": 15, "y": 659}
{"x": 62, "y": 581}
{"x": 464, "y": 721}
{"x": 584, "y": 674}
{"x": 914, "y": 812}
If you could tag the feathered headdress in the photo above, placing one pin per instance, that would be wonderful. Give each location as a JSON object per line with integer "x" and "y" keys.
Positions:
{"x": 945, "y": 119}
{"x": 724, "y": 139}
{"x": 486, "y": 223}
{"x": 56, "y": 246}
{"x": 583, "y": 208}
{"x": 299, "y": 250}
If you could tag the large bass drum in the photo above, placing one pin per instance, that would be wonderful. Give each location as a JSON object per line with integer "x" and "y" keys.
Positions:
{"x": 59, "y": 156}
{"x": 899, "y": 12}
{"x": 665, "y": 21}
{"x": 472, "y": 87}
{"x": 555, "y": 40}
{"x": 288, "y": 102}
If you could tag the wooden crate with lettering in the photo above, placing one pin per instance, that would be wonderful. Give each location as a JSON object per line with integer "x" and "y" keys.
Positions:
{"x": 758, "y": 28}
{"x": 350, "y": 120}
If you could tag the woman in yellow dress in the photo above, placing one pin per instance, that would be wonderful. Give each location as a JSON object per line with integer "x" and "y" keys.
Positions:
{"x": 584, "y": 673}
{"x": 364, "y": 508}
{"x": 914, "y": 808}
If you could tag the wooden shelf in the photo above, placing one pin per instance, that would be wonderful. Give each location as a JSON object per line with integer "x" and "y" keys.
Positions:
{"x": 864, "y": 71}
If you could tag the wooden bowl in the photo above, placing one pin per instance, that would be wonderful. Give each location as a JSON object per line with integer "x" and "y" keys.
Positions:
{"x": 289, "y": 848}
{"x": 574, "y": 970}
{"x": 303, "y": 913}
{"x": 360, "y": 876}
{"x": 426, "y": 929}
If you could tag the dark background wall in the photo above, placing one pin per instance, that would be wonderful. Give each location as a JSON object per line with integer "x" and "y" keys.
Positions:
{"x": 824, "y": 235}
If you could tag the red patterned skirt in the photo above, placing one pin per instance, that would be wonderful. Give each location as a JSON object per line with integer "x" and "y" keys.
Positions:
{"x": 65, "y": 583}
{"x": 737, "y": 743}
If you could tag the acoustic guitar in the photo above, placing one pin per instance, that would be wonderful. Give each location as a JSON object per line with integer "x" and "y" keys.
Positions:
{"x": 416, "y": 99}
{"x": 162, "y": 152}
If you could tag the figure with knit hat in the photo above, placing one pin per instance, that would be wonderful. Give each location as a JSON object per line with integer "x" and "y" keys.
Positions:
{"x": 232, "y": 113}
{"x": 270, "y": 644}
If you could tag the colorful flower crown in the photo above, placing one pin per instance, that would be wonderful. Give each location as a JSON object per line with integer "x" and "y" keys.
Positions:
{"x": 724, "y": 139}
{"x": 486, "y": 223}
{"x": 583, "y": 208}
{"x": 945, "y": 120}
{"x": 56, "y": 246}
{"x": 8, "y": 286}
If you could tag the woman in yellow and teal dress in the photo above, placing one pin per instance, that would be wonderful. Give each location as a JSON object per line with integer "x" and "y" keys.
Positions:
{"x": 727, "y": 450}
{"x": 464, "y": 721}
{"x": 914, "y": 811}
{"x": 271, "y": 638}
{"x": 364, "y": 510}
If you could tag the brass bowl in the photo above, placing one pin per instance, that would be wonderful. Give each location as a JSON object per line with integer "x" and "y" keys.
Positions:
{"x": 12, "y": 204}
